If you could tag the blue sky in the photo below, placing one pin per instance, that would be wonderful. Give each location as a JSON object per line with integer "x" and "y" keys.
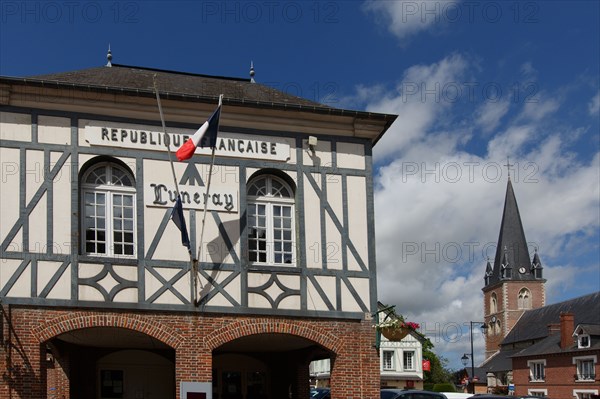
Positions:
{"x": 472, "y": 82}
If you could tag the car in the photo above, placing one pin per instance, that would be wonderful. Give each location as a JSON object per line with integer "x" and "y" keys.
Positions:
{"x": 489, "y": 396}
{"x": 320, "y": 393}
{"x": 389, "y": 393}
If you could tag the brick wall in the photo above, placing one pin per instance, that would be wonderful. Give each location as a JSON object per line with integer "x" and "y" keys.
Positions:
{"x": 193, "y": 337}
{"x": 559, "y": 375}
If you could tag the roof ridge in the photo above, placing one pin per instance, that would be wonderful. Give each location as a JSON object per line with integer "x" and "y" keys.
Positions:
{"x": 181, "y": 72}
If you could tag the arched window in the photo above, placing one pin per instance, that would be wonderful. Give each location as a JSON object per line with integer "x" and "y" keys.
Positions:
{"x": 108, "y": 210}
{"x": 493, "y": 303}
{"x": 271, "y": 228}
{"x": 524, "y": 300}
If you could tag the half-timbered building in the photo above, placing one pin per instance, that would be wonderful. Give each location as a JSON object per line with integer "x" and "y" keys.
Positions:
{"x": 97, "y": 292}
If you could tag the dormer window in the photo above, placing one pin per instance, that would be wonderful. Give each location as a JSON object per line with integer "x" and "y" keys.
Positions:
{"x": 583, "y": 341}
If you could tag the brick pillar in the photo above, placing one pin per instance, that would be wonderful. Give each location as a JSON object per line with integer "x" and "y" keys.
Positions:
{"x": 567, "y": 326}
{"x": 355, "y": 369}
{"x": 193, "y": 363}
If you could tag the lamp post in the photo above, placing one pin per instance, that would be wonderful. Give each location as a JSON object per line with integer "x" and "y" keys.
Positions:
{"x": 465, "y": 358}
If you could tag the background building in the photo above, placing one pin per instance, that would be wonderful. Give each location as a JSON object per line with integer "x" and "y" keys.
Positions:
{"x": 96, "y": 289}
{"x": 533, "y": 348}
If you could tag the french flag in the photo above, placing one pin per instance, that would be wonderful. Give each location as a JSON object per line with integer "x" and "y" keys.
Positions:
{"x": 206, "y": 136}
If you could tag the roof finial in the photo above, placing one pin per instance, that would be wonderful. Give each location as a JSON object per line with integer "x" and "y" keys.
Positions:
{"x": 508, "y": 165}
{"x": 109, "y": 57}
{"x": 252, "y": 72}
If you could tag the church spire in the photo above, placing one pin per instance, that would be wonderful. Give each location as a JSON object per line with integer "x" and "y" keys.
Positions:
{"x": 512, "y": 261}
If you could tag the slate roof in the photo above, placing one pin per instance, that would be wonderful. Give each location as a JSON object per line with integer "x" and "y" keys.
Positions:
{"x": 533, "y": 324}
{"x": 176, "y": 83}
{"x": 551, "y": 345}
{"x": 512, "y": 245}
{"x": 589, "y": 329}
{"x": 138, "y": 81}
{"x": 500, "y": 361}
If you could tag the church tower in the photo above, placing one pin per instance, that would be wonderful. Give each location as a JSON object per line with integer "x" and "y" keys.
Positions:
{"x": 514, "y": 283}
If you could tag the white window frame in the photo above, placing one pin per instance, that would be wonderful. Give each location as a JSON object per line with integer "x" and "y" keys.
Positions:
{"x": 413, "y": 360}
{"x": 587, "y": 392}
{"x": 537, "y": 392}
{"x": 531, "y": 364}
{"x": 580, "y": 345}
{"x": 391, "y": 355}
{"x": 577, "y": 361}
{"x": 110, "y": 191}
{"x": 270, "y": 201}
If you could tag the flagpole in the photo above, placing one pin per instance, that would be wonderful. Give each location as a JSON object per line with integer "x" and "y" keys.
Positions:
{"x": 166, "y": 137}
{"x": 167, "y": 141}
{"x": 206, "y": 198}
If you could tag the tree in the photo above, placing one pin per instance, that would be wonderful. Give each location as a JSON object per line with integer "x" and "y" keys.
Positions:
{"x": 439, "y": 372}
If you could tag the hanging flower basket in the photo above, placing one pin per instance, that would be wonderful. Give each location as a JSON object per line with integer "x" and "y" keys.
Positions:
{"x": 394, "y": 328}
{"x": 394, "y": 333}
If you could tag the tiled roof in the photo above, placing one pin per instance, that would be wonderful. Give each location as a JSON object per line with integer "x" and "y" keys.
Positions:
{"x": 533, "y": 325}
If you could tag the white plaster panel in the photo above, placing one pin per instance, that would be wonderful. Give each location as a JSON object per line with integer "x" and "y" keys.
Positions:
{"x": 34, "y": 173}
{"x": 334, "y": 237}
{"x": 38, "y": 225}
{"x": 87, "y": 270}
{"x": 62, "y": 288}
{"x": 169, "y": 246}
{"x": 15, "y": 126}
{"x": 361, "y": 286}
{"x": 327, "y": 284}
{"x": 214, "y": 247}
{"x": 87, "y": 293}
{"x": 22, "y": 287}
{"x": 291, "y": 302}
{"x": 350, "y": 155}
{"x": 320, "y": 158}
{"x": 257, "y": 279}
{"x": 258, "y": 301}
{"x": 312, "y": 223}
{"x": 61, "y": 207}
{"x": 128, "y": 295}
{"x": 357, "y": 221}
{"x": 126, "y": 272}
{"x": 54, "y": 130}
{"x": 9, "y": 201}
{"x": 233, "y": 288}
{"x": 153, "y": 285}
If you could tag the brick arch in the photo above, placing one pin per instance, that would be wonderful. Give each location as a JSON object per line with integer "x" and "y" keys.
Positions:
{"x": 243, "y": 328}
{"x": 79, "y": 320}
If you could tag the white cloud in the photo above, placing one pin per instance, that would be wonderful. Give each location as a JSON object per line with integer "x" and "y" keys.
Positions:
{"x": 537, "y": 108}
{"x": 488, "y": 115}
{"x": 438, "y": 206}
{"x": 594, "y": 105}
{"x": 407, "y": 18}
{"x": 418, "y": 100}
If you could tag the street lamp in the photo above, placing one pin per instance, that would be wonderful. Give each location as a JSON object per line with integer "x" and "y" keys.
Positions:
{"x": 465, "y": 358}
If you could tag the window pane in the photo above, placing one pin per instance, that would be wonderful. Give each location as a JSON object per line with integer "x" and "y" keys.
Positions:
{"x": 287, "y": 211}
{"x": 277, "y": 210}
{"x": 128, "y": 249}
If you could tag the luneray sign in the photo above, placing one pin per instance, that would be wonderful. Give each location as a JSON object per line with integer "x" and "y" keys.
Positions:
{"x": 220, "y": 198}
{"x": 228, "y": 144}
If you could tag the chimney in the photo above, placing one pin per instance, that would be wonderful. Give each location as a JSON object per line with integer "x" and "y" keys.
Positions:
{"x": 567, "y": 326}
